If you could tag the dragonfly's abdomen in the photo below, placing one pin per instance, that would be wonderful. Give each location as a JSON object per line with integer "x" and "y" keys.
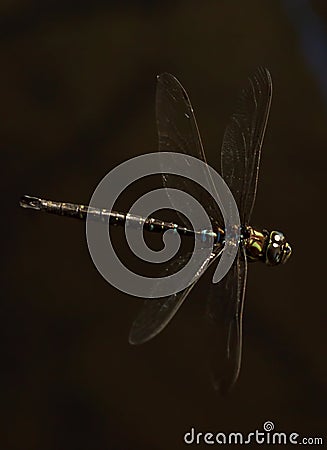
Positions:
{"x": 105, "y": 215}
{"x": 77, "y": 211}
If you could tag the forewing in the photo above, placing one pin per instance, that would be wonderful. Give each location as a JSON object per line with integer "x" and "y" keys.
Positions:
{"x": 242, "y": 142}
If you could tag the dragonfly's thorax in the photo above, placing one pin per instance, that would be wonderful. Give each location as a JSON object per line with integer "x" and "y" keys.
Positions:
{"x": 268, "y": 247}
{"x": 255, "y": 243}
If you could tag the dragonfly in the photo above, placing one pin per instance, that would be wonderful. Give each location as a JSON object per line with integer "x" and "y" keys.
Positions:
{"x": 240, "y": 161}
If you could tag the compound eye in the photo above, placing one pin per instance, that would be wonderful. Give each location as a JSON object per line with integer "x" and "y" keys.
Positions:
{"x": 273, "y": 253}
{"x": 277, "y": 237}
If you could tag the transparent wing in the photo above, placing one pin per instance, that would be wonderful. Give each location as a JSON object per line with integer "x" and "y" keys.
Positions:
{"x": 225, "y": 313}
{"x": 178, "y": 132}
{"x": 240, "y": 160}
{"x": 242, "y": 142}
{"x": 157, "y": 313}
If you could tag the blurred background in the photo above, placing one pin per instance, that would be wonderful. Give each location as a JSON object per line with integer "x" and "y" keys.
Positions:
{"x": 77, "y": 90}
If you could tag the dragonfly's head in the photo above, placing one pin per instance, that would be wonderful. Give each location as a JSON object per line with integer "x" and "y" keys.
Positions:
{"x": 277, "y": 250}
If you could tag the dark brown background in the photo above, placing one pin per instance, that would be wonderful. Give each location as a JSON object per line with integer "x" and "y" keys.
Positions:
{"x": 77, "y": 86}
